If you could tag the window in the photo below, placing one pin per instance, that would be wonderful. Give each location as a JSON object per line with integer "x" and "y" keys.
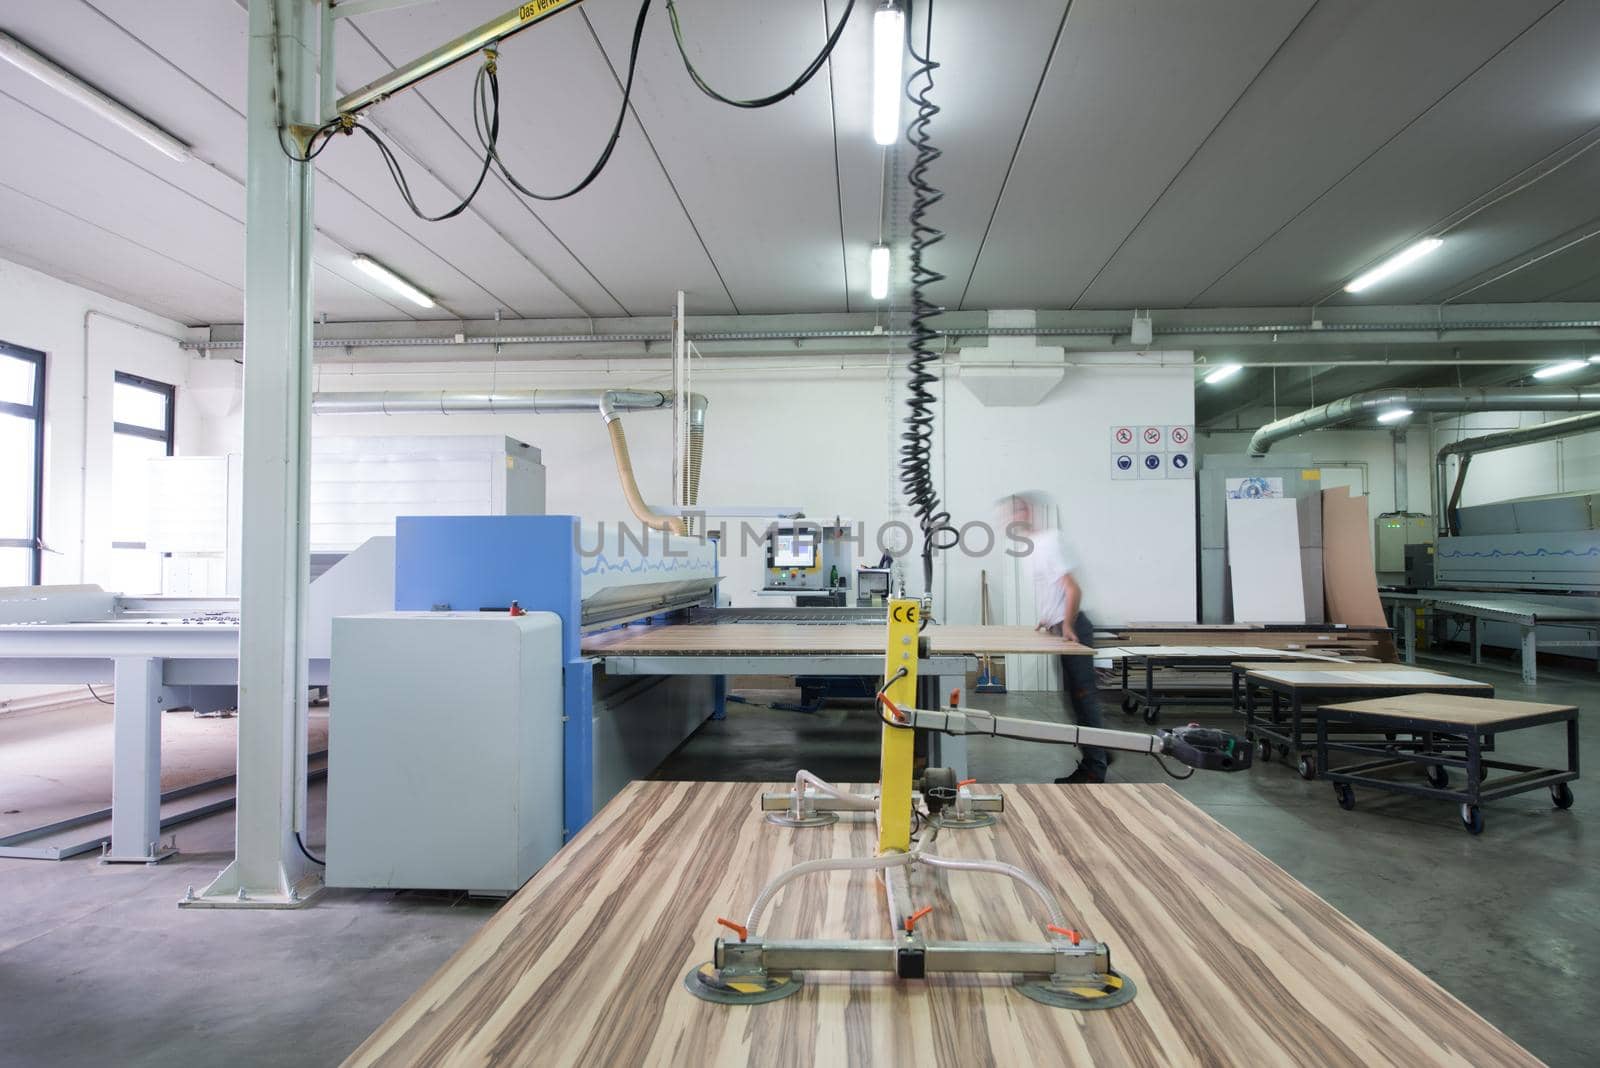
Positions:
{"x": 22, "y": 470}
{"x": 141, "y": 413}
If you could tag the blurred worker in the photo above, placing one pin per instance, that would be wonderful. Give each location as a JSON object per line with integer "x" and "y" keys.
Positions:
{"x": 1059, "y": 598}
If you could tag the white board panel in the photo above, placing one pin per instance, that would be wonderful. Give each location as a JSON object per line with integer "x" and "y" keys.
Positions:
{"x": 1264, "y": 561}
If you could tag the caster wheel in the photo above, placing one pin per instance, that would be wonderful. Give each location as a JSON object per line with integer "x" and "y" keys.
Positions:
{"x": 1129, "y": 706}
{"x": 1345, "y": 795}
{"x": 1152, "y": 713}
{"x": 1264, "y": 748}
{"x": 1472, "y": 819}
{"x": 1483, "y": 773}
{"x": 1307, "y": 766}
{"x": 1561, "y": 795}
{"x": 1438, "y": 777}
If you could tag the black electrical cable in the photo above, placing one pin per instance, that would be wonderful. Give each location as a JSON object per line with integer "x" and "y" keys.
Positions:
{"x": 792, "y": 88}
{"x": 611, "y": 142}
{"x": 325, "y": 131}
{"x": 916, "y": 452}
{"x": 1163, "y": 764}
{"x": 96, "y": 696}
{"x": 301, "y": 843}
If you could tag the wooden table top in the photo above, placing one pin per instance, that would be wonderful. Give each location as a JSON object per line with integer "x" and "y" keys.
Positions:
{"x": 1325, "y": 664}
{"x": 767, "y": 639}
{"x": 1381, "y": 677}
{"x": 1450, "y": 708}
{"x": 1236, "y": 962}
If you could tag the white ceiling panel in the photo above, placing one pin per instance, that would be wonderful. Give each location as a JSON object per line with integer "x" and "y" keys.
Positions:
{"x": 52, "y": 239}
{"x": 1233, "y": 153}
{"x": 759, "y": 184}
{"x": 559, "y": 100}
{"x": 1539, "y": 93}
{"x": 990, "y": 70}
{"x": 1352, "y": 76}
{"x": 1135, "y": 87}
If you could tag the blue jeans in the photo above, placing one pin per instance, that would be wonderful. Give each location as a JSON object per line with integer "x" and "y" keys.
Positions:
{"x": 1080, "y": 694}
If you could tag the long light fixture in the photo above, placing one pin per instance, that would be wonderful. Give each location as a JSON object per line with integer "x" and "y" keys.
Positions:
{"x": 1556, "y": 370}
{"x": 75, "y": 88}
{"x": 1394, "y": 415}
{"x": 878, "y": 266}
{"x": 377, "y": 270}
{"x": 1399, "y": 261}
{"x": 888, "y": 51}
{"x": 1222, "y": 374}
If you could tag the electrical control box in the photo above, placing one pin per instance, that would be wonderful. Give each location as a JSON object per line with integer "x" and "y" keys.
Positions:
{"x": 807, "y": 557}
{"x": 1392, "y": 533}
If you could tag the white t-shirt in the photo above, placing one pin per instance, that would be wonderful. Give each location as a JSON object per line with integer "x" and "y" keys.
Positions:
{"x": 1050, "y": 562}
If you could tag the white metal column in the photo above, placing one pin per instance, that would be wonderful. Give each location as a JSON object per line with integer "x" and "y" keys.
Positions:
{"x": 268, "y": 869}
{"x": 136, "y": 763}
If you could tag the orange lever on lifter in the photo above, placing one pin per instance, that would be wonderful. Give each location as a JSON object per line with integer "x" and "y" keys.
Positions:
{"x": 965, "y": 782}
{"x": 955, "y": 697}
{"x": 894, "y": 710}
{"x": 911, "y": 920}
{"x": 1065, "y": 932}
{"x": 737, "y": 928}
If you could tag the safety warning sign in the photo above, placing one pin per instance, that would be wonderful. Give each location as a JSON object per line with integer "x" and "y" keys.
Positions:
{"x": 1151, "y": 451}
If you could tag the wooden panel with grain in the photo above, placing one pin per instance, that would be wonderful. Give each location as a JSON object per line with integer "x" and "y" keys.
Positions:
{"x": 1454, "y": 709}
{"x": 1236, "y": 962}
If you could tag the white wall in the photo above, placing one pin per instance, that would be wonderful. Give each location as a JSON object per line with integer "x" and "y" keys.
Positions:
{"x": 43, "y": 313}
{"x": 825, "y": 437}
{"x": 46, "y": 314}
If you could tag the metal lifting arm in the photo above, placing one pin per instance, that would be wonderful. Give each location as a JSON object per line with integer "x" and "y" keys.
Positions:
{"x": 1198, "y": 747}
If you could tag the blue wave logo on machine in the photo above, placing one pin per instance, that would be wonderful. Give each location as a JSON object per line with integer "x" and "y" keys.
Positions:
{"x": 1252, "y": 489}
{"x": 1497, "y": 554}
{"x": 639, "y": 567}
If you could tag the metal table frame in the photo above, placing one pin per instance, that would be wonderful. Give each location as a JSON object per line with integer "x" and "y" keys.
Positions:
{"x": 1219, "y": 659}
{"x": 1473, "y": 739}
{"x": 148, "y": 662}
{"x": 1477, "y": 609}
{"x": 1292, "y": 740}
{"x": 944, "y": 672}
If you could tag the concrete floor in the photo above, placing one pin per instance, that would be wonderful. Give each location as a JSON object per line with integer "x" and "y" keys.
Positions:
{"x": 98, "y": 965}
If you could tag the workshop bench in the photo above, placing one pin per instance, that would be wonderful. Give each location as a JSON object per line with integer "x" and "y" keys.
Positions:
{"x": 1297, "y": 689}
{"x": 1444, "y": 721}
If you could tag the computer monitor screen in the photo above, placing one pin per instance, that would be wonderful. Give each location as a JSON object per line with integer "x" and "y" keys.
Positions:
{"x": 794, "y": 550}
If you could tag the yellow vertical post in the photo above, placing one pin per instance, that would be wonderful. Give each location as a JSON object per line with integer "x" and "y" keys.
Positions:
{"x": 899, "y": 746}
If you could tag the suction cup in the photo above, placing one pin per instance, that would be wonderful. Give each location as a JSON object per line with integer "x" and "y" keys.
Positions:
{"x": 951, "y": 822}
{"x": 707, "y": 984}
{"x": 788, "y": 819}
{"x": 1105, "y": 991}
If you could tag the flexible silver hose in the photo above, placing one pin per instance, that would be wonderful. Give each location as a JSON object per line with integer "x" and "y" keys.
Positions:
{"x": 861, "y": 802}
{"x": 996, "y": 867}
{"x": 888, "y": 860}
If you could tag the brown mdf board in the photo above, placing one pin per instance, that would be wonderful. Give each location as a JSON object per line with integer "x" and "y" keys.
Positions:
{"x": 1349, "y": 580}
{"x": 783, "y": 638}
{"x": 1236, "y": 962}
{"x": 1450, "y": 708}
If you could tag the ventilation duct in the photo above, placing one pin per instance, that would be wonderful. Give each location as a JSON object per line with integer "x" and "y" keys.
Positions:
{"x": 609, "y": 403}
{"x": 1466, "y": 448}
{"x": 1367, "y": 405}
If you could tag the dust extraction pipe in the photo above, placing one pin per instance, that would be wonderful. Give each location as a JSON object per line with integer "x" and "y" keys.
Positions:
{"x": 1359, "y": 405}
{"x": 1466, "y": 448}
{"x": 609, "y": 403}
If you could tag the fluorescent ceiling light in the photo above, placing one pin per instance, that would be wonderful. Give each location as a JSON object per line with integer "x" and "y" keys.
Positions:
{"x": 393, "y": 281}
{"x": 1394, "y": 415}
{"x": 888, "y": 51}
{"x": 1594, "y": 359}
{"x": 74, "y": 88}
{"x": 879, "y": 264}
{"x": 1397, "y": 262}
{"x": 1565, "y": 367}
{"x": 1222, "y": 374}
